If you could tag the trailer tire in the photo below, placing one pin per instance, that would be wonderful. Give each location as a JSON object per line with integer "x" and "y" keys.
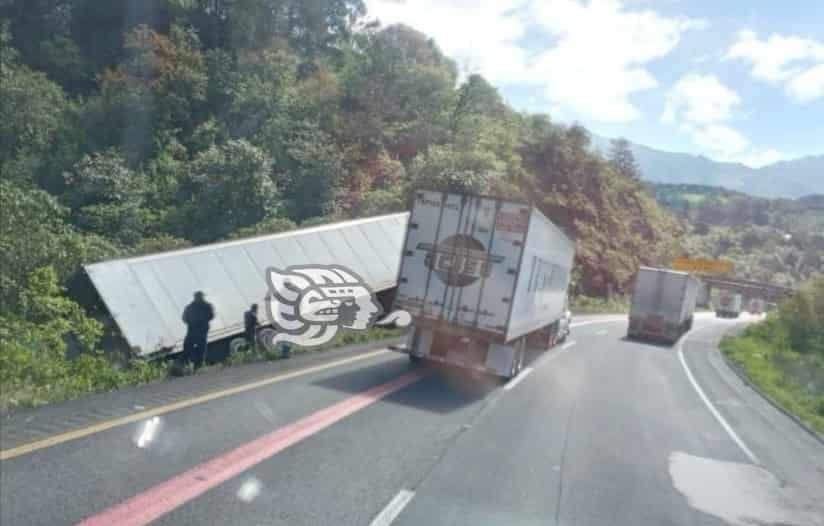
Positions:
{"x": 518, "y": 362}
{"x": 415, "y": 359}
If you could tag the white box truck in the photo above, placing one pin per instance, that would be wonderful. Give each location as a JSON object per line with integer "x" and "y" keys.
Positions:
{"x": 729, "y": 305}
{"x": 482, "y": 278}
{"x": 663, "y": 304}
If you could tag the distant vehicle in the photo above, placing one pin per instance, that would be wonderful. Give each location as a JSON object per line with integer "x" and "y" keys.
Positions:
{"x": 756, "y": 306}
{"x": 663, "y": 304}
{"x": 483, "y": 278}
{"x": 729, "y": 305}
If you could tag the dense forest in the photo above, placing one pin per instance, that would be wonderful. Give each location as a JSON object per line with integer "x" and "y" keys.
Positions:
{"x": 774, "y": 240}
{"x": 132, "y": 127}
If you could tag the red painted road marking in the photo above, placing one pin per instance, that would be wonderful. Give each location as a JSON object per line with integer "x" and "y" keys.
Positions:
{"x": 166, "y": 496}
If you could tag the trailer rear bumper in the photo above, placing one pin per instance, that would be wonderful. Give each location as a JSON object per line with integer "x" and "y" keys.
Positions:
{"x": 484, "y": 357}
{"x": 654, "y": 328}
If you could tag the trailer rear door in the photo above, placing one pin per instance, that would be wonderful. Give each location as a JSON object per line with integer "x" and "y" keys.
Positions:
{"x": 460, "y": 261}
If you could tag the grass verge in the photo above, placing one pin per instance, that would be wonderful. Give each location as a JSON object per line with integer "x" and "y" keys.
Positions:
{"x": 95, "y": 372}
{"x": 262, "y": 354}
{"x": 591, "y": 305}
{"x": 792, "y": 379}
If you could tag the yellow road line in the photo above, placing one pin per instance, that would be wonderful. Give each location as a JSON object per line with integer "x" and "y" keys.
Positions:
{"x": 168, "y": 408}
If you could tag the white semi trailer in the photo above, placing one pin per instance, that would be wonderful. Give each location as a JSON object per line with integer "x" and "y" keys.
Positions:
{"x": 482, "y": 278}
{"x": 663, "y": 304}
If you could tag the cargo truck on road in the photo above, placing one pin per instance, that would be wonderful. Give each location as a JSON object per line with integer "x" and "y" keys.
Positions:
{"x": 663, "y": 304}
{"x": 729, "y": 305}
{"x": 483, "y": 279}
{"x": 757, "y": 306}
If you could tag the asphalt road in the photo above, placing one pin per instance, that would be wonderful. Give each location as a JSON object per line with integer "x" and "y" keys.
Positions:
{"x": 600, "y": 431}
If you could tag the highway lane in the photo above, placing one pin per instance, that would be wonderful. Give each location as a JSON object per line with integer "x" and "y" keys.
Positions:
{"x": 588, "y": 437}
{"x": 615, "y": 433}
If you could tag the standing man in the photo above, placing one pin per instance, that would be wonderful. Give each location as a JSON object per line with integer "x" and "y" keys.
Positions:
{"x": 197, "y": 316}
{"x": 250, "y": 322}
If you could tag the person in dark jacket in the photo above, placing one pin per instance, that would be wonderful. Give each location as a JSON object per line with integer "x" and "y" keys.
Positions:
{"x": 250, "y": 323}
{"x": 197, "y": 316}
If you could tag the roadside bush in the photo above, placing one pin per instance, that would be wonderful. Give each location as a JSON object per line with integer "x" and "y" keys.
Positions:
{"x": 591, "y": 305}
{"x": 784, "y": 355}
{"x": 803, "y": 317}
{"x": 34, "y": 344}
{"x": 243, "y": 353}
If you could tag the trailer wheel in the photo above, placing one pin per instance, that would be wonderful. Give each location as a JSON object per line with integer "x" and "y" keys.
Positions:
{"x": 516, "y": 367}
{"x": 518, "y": 362}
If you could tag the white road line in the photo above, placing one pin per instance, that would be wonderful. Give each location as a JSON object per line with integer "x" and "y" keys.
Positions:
{"x": 601, "y": 332}
{"x": 393, "y": 509}
{"x": 727, "y": 427}
{"x": 567, "y": 345}
{"x": 550, "y": 355}
{"x": 512, "y": 383}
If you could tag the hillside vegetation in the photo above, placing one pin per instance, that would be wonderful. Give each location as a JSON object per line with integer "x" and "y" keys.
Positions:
{"x": 785, "y": 354}
{"x": 775, "y": 240}
{"x": 128, "y": 128}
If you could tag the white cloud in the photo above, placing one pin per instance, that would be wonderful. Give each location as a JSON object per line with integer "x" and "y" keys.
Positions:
{"x": 795, "y": 61}
{"x": 807, "y": 86}
{"x": 702, "y": 107}
{"x": 591, "y": 60}
{"x": 480, "y": 36}
{"x": 598, "y": 61}
{"x": 761, "y": 158}
{"x": 726, "y": 142}
{"x": 700, "y": 99}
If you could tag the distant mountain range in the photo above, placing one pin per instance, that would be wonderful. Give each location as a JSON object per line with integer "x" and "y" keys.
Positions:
{"x": 789, "y": 179}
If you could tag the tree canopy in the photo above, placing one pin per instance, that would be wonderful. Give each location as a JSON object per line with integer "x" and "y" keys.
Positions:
{"x": 131, "y": 126}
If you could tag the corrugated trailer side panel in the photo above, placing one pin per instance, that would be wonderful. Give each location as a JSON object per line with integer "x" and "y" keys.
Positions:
{"x": 543, "y": 278}
{"x": 146, "y": 295}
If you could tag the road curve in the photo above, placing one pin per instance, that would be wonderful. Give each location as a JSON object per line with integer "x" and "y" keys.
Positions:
{"x": 599, "y": 431}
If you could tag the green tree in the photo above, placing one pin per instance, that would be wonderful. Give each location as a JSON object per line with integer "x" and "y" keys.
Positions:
{"x": 311, "y": 169}
{"x": 33, "y": 114}
{"x": 159, "y": 86}
{"x": 34, "y": 233}
{"x": 230, "y": 188}
{"x": 399, "y": 93}
{"x": 623, "y": 160}
{"x": 313, "y": 27}
{"x": 106, "y": 196}
{"x": 448, "y": 169}
{"x": 803, "y": 315}
{"x": 273, "y": 225}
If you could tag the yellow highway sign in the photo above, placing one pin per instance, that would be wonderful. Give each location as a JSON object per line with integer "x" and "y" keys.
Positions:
{"x": 707, "y": 266}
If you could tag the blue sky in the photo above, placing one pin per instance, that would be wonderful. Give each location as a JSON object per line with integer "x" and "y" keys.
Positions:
{"x": 734, "y": 80}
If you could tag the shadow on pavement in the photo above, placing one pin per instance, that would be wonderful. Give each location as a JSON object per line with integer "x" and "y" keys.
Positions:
{"x": 442, "y": 390}
{"x": 640, "y": 342}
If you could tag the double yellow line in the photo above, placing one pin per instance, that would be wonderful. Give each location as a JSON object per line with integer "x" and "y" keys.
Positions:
{"x": 54, "y": 440}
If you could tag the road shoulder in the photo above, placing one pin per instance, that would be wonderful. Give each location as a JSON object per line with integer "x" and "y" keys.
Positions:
{"x": 36, "y": 424}
{"x": 780, "y": 444}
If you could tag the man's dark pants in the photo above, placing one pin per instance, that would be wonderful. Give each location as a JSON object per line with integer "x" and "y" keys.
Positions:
{"x": 194, "y": 348}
